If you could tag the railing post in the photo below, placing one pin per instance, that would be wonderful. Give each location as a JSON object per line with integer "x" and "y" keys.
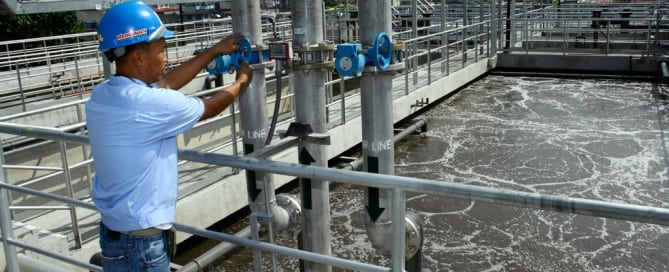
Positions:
{"x": 608, "y": 36}
{"x": 448, "y": 56}
{"x": 70, "y": 194}
{"x": 444, "y": 37}
{"x": 564, "y": 37}
{"x": 18, "y": 79}
{"x": 429, "y": 62}
{"x": 406, "y": 77}
{"x": 464, "y": 45}
{"x": 342, "y": 92}
{"x": 649, "y": 22}
{"x": 398, "y": 210}
{"x": 6, "y": 222}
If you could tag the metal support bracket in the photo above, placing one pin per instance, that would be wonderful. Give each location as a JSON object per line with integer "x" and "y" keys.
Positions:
{"x": 317, "y": 56}
{"x": 424, "y": 101}
{"x": 306, "y": 133}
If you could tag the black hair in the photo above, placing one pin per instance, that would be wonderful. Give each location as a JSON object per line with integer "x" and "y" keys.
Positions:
{"x": 119, "y": 52}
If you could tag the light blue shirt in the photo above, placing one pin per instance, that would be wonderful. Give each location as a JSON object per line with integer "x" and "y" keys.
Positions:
{"x": 132, "y": 129}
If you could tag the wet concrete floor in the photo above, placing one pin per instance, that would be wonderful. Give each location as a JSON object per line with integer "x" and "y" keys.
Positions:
{"x": 585, "y": 138}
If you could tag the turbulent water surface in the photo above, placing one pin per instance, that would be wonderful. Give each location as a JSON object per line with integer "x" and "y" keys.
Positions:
{"x": 594, "y": 139}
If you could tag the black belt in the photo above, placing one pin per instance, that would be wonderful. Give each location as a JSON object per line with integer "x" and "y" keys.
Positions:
{"x": 115, "y": 235}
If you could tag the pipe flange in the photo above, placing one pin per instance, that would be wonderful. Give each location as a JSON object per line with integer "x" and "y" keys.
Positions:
{"x": 392, "y": 68}
{"x": 396, "y": 67}
{"x": 314, "y": 56}
{"x": 322, "y": 65}
{"x": 323, "y": 46}
{"x": 291, "y": 204}
{"x": 262, "y": 65}
{"x": 260, "y": 47}
{"x": 414, "y": 234}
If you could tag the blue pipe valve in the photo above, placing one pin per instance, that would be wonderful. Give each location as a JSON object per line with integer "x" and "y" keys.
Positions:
{"x": 351, "y": 60}
{"x": 229, "y": 63}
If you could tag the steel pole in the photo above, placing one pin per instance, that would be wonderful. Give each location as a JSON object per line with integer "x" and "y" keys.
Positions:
{"x": 253, "y": 116}
{"x": 384, "y": 206}
{"x": 309, "y": 86}
{"x": 11, "y": 257}
{"x": 492, "y": 44}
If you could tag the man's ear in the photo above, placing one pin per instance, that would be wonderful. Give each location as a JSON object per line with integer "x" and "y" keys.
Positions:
{"x": 138, "y": 57}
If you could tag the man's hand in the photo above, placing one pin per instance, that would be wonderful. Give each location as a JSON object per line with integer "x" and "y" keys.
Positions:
{"x": 228, "y": 45}
{"x": 244, "y": 75}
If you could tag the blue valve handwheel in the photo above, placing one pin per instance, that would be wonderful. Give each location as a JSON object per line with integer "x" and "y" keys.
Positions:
{"x": 219, "y": 65}
{"x": 383, "y": 50}
{"x": 228, "y": 63}
{"x": 244, "y": 53}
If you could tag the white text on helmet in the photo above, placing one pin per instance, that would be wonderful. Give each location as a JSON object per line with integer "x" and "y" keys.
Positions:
{"x": 131, "y": 34}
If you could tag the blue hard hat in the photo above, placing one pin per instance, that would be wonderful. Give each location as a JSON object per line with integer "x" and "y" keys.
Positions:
{"x": 130, "y": 23}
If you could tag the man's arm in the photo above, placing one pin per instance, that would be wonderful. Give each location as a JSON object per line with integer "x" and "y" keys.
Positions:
{"x": 223, "y": 98}
{"x": 184, "y": 73}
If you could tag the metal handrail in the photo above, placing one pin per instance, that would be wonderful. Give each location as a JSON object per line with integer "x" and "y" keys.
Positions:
{"x": 301, "y": 254}
{"x": 461, "y": 32}
{"x": 637, "y": 213}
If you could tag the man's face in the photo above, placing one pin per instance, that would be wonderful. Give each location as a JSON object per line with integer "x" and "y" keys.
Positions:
{"x": 156, "y": 58}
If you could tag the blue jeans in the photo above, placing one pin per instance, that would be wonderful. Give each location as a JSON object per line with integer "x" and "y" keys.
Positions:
{"x": 134, "y": 253}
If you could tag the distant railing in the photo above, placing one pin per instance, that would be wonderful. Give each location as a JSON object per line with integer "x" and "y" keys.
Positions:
{"x": 583, "y": 29}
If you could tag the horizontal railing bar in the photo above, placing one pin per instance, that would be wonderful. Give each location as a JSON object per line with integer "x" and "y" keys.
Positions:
{"x": 23, "y": 208}
{"x": 43, "y": 110}
{"x": 55, "y": 255}
{"x": 42, "y": 178}
{"x": 24, "y": 167}
{"x": 623, "y": 211}
{"x": 42, "y": 133}
{"x": 63, "y": 199}
{"x": 304, "y": 255}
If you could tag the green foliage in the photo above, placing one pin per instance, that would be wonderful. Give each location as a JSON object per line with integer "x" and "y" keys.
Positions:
{"x": 25, "y": 26}
{"x": 330, "y": 3}
{"x": 342, "y": 6}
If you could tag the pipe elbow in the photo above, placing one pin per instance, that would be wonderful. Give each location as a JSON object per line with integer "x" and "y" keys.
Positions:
{"x": 289, "y": 215}
{"x": 380, "y": 235}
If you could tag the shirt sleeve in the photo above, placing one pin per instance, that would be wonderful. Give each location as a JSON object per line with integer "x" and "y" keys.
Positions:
{"x": 168, "y": 113}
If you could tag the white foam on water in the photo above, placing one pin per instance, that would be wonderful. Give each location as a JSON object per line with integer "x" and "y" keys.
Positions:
{"x": 595, "y": 139}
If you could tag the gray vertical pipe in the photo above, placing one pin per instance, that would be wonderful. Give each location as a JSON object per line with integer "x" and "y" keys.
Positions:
{"x": 377, "y": 137}
{"x": 11, "y": 257}
{"x": 253, "y": 115}
{"x": 493, "y": 30}
{"x": 309, "y": 87}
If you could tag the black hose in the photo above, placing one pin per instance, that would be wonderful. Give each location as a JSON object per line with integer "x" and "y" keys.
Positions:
{"x": 277, "y": 102}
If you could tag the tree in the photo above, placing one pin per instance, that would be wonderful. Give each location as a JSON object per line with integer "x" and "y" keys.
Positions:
{"x": 24, "y": 26}
{"x": 331, "y": 3}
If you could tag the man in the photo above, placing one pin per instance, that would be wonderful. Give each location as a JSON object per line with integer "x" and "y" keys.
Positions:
{"x": 133, "y": 120}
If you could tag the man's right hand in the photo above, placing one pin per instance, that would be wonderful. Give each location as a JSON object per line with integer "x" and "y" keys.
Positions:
{"x": 244, "y": 75}
{"x": 228, "y": 45}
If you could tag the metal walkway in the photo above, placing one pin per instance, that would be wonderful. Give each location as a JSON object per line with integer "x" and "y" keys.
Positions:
{"x": 437, "y": 60}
